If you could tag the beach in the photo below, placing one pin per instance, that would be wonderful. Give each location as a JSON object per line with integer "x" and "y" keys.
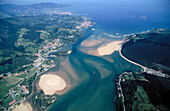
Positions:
{"x": 24, "y": 107}
{"x": 51, "y": 83}
{"x": 109, "y": 48}
{"x": 100, "y": 46}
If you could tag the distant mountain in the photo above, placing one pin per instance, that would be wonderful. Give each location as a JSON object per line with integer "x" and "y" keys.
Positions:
{"x": 12, "y": 10}
{"x": 35, "y": 6}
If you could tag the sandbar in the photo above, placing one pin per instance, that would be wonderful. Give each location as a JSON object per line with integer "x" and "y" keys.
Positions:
{"x": 24, "y": 107}
{"x": 90, "y": 43}
{"x": 51, "y": 83}
{"x": 109, "y": 48}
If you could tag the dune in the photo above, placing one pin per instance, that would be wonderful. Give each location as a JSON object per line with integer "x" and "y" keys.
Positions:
{"x": 109, "y": 48}
{"x": 50, "y": 83}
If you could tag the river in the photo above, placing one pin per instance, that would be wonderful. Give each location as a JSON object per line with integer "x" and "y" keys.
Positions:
{"x": 92, "y": 78}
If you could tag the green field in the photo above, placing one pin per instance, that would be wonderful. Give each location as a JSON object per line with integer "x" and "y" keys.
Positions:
{"x": 6, "y": 101}
{"x": 12, "y": 80}
{"x": 7, "y": 83}
{"x": 144, "y": 92}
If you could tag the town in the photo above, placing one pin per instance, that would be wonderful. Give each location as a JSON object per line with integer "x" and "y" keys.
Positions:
{"x": 40, "y": 53}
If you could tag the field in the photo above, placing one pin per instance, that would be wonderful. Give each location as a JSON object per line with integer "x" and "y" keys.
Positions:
{"x": 7, "y": 101}
{"x": 144, "y": 92}
{"x": 11, "y": 80}
{"x": 28, "y": 34}
{"x": 6, "y": 84}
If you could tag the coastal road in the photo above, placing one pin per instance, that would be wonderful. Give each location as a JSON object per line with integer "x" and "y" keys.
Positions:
{"x": 143, "y": 67}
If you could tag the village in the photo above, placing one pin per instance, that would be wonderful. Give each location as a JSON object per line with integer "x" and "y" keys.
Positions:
{"x": 22, "y": 89}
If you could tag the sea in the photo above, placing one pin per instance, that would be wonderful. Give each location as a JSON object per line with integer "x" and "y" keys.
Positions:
{"x": 96, "y": 92}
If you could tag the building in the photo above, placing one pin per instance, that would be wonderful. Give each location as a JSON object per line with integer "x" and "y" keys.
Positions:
{"x": 25, "y": 90}
{"x": 12, "y": 102}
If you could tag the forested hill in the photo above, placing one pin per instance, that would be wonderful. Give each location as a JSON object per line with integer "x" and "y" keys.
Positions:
{"x": 151, "y": 49}
{"x": 12, "y": 10}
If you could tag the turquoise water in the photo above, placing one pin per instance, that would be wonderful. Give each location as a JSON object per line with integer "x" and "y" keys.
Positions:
{"x": 96, "y": 92}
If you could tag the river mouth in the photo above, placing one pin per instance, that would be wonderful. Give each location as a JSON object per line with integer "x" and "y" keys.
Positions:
{"x": 91, "y": 79}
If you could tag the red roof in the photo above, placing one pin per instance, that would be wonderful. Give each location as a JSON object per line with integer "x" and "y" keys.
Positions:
{"x": 26, "y": 90}
{"x": 12, "y": 102}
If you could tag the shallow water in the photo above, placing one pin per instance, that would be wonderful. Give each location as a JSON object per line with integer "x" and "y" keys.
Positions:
{"x": 92, "y": 78}
{"x": 95, "y": 81}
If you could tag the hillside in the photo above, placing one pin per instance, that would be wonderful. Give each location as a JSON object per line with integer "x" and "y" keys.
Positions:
{"x": 12, "y": 10}
{"x": 22, "y": 37}
{"x": 31, "y": 36}
{"x": 151, "y": 49}
{"x": 143, "y": 92}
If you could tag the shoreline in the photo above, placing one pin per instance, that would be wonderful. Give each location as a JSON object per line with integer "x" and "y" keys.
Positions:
{"x": 97, "y": 47}
{"x": 120, "y": 53}
{"x": 119, "y": 102}
{"x": 109, "y": 48}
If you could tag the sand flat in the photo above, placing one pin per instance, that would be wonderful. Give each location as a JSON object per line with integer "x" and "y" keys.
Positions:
{"x": 90, "y": 43}
{"x": 24, "y": 107}
{"x": 50, "y": 83}
{"x": 109, "y": 48}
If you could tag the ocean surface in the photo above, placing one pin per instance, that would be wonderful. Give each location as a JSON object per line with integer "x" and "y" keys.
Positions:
{"x": 96, "y": 92}
{"x": 121, "y": 16}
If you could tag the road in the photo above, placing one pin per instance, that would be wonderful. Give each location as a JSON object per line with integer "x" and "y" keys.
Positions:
{"x": 124, "y": 109}
{"x": 143, "y": 67}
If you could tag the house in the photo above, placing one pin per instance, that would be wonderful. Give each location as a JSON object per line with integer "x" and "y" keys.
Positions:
{"x": 25, "y": 90}
{"x": 12, "y": 102}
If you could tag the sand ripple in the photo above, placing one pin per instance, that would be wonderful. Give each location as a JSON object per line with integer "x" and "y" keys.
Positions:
{"x": 50, "y": 83}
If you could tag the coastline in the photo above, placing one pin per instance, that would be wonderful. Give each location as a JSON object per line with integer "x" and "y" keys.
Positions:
{"x": 97, "y": 47}
{"x": 40, "y": 67}
{"x": 109, "y": 48}
{"x": 119, "y": 102}
{"x": 120, "y": 53}
{"x": 131, "y": 80}
{"x": 88, "y": 83}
